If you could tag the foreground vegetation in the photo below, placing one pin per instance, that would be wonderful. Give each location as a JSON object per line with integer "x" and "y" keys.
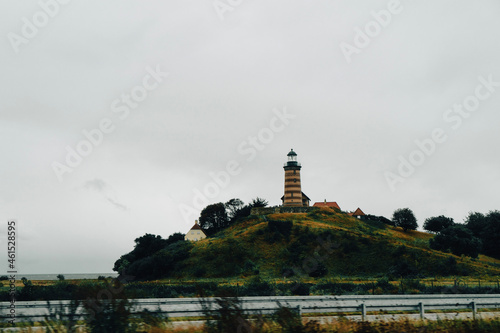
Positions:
{"x": 253, "y": 286}
{"x": 115, "y": 316}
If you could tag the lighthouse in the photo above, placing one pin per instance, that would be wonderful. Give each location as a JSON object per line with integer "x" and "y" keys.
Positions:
{"x": 294, "y": 197}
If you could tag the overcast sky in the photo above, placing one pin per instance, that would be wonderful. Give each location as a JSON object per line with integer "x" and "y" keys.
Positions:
{"x": 117, "y": 115}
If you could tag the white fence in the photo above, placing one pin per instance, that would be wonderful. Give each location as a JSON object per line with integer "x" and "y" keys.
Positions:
{"x": 192, "y": 307}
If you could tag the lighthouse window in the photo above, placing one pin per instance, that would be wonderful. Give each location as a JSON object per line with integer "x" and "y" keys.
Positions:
{"x": 295, "y": 180}
{"x": 294, "y": 172}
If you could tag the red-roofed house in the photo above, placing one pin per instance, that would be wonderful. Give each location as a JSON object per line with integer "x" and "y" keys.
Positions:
{"x": 329, "y": 204}
{"x": 357, "y": 213}
{"x": 195, "y": 233}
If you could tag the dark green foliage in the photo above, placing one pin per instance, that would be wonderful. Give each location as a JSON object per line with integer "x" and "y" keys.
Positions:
{"x": 405, "y": 219}
{"x": 155, "y": 319}
{"x": 403, "y": 269}
{"x": 477, "y": 223}
{"x": 350, "y": 246}
{"x": 108, "y": 309}
{"x": 259, "y": 202}
{"x": 232, "y": 208}
{"x": 290, "y": 321}
{"x": 241, "y": 211}
{"x": 377, "y": 221}
{"x": 213, "y": 218}
{"x": 258, "y": 287}
{"x": 162, "y": 263}
{"x": 300, "y": 289}
{"x": 141, "y": 257}
{"x": 250, "y": 267}
{"x": 60, "y": 277}
{"x": 217, "y": 217}
{"x": 491, "y": 235}
{"x": 487, "y": 229}
{"x": 4, "y": 277}
{"x": 438, "y": 223}
{"x": 458, "y": 240}
{"x": 384, "y": 284}
{"x": 320, "y": 271}
{"x": 278, "y": 230}
{"x": 450, "y": 266}
{"x": 226, "y": 317}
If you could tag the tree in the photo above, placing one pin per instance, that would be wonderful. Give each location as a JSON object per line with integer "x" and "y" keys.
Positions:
{"x": 405, "y": 219}
{"x": 237, "y": 209}
{"x": 438, "y": 223}
{"x": 259, "y": 202}
{"x": 491, "y": 235}
{"x": 476, "y": 222}
{"x": 213, "y": 218}
{"x": 145, "y": 247}
{"x": 487, "y": 229}
{"x": 457, "y": 239}
{"x": 232, "y": 207}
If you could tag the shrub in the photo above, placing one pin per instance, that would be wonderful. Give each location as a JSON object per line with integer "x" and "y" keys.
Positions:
{"x": 290, "y": 321}
{"x": 458, "y": 240}
{"x": 279, "y": 229}
{"x": 320, "y": 271}
{"x": 227, "y": 317}
{"x": 258, "y": 287}
{"x": 300, "y": 289}
{"x": 107, "y": 314}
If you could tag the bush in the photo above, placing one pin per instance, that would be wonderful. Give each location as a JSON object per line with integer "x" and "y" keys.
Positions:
{"x": 107, "y": 314}
{"x": 290, "y": 321}
{"x": 458, "y": 240}
{"x": 61, "y": 277}
{"x": 227, "y": 317}
{"x": 258, "y": 287}
{"x": 300, "y": 289}
{"x": 320, "y": 271}
{"x": 277, "y": 230}
{"x": 403, "y": 269}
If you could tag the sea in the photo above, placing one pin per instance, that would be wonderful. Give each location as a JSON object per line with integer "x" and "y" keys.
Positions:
{"x": 81, "y": 276}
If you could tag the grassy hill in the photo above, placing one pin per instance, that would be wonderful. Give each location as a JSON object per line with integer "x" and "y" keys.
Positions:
{"x": 323, "y": 243}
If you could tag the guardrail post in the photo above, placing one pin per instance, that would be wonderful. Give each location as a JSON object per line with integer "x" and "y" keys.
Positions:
{"x": 474, "y": 310}
{"x": 422, "y": 310}
{"x": 363, "y": 311}
{"x": 299, "y": 310}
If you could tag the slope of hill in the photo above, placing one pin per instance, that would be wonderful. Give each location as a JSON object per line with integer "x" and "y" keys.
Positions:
{"x": 324, "y": 243}
{"x": 320, "y": 243}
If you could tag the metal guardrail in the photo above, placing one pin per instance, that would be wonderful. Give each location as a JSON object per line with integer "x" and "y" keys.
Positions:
{"x": 192, "y": 307}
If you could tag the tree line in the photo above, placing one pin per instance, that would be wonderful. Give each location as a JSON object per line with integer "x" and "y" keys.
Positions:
{"x": 479, "y": 233}
{"x": 219, "y": 216}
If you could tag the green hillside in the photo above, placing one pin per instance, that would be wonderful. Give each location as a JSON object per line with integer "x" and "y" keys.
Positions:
{"x": 321, "y": 243}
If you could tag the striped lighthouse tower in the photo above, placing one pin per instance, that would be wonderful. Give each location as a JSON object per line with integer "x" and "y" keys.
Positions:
{"x": 293, "y": 191}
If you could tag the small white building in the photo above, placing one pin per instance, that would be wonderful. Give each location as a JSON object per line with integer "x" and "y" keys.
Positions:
{"x": 195, "y": 233}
